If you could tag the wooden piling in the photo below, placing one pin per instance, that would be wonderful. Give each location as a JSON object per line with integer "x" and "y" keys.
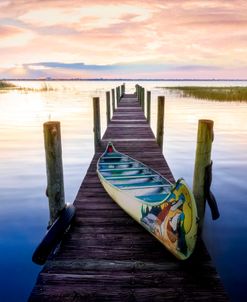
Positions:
{"x": 54, "y": 169}
{"x": 96, "y": 118}
{"x": 203, "y": 159}
{"x": 108, "y": 107}
{"x": 118, "y": 94}
{"x": 122, "y": 90}
{"x": 143, "y": 99}
{"x": 137, "y": 90}
{"x": 139, "y": 93}
{"x": 149, "y": 107}
{"x": 113, "y": 100}
{"x": 160, "y": 121}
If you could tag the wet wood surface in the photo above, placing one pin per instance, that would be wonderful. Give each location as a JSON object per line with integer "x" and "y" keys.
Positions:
{"x": 106, "y": 255}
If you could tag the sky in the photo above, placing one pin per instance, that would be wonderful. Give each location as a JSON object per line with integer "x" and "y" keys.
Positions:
{"x": 168, "y": 39}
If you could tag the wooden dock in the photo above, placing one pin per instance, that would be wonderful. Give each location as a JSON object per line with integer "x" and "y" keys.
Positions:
{"x": 106, "y": 255}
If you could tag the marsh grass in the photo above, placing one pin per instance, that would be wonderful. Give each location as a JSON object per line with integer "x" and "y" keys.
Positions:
{"x": 234, "y": 93}
{"x": 4, "y": 85}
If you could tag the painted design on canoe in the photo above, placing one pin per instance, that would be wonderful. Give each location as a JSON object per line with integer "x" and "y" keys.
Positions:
{"x": 168, "y": 211}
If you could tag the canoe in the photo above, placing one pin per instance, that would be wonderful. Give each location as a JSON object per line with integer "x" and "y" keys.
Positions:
{"x": 168, "y": 211}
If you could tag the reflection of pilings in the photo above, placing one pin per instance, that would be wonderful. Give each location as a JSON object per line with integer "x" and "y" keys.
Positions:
{"x": 108, "y": 107}
{"x": 54, "y": 169}
{"x": 96, "y": 120}
{"x": 149, "y": 106}
{"x": 160, "y": 121}
{"x": 202, "y": 160}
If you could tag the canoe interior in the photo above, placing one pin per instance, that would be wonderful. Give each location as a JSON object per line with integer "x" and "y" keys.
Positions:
{"x": 128, "y": 174}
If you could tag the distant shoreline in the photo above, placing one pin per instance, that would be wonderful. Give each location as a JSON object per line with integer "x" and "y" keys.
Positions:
{"x": 131, "y": 80}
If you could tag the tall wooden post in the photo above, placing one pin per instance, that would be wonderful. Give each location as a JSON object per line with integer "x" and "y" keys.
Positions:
{"x": 108, "y": 107}
{"x": 149, "y": 107}
{"x": 160, "y": 121}
{"x": 113, "y": 100}
{"x": 139, "y": 93}
{"x": 122, "y": 90}
{"x": 118, "y": 94}
{"x": 54, "y": 169}
{"x": 96, "y": 119}
{"x": 143, "y": 99}
{"x": 203, "y": 159}
{"x": 116, "y": 97}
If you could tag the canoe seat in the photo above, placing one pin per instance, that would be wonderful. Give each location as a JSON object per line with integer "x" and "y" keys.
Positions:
{"x": 121, "y": 170}
{"x": 141, "y": 185}
{"x": 136, "y": 176}
{"x": 113, "y": 156}
{"x": 117, "y": 163}
{"x": 153, "y": 197}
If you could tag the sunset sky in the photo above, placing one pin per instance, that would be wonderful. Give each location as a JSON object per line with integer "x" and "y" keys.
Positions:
{"x": 168, "y": 39}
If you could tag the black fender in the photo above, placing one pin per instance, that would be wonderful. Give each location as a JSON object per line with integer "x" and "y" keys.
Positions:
{"x": 54, "y": 235}
{"x": 209, "y": 196}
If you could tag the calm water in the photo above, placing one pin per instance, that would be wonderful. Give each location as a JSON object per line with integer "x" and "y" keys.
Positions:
{"x": 24, "y": 214}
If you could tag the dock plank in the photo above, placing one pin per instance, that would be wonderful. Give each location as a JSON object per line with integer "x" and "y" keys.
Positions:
{"x": 106, "y": 255}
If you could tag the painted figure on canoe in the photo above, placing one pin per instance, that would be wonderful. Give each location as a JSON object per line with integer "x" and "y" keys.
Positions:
{"x": 167, "y": 211}
{"x": 167, "y": 221}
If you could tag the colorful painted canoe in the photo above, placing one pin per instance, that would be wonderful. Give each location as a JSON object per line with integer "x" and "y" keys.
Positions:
{"x": 168, "y": 211}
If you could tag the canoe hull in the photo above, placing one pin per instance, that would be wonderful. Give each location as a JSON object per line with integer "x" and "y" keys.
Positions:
{"x": 173, "y": 221}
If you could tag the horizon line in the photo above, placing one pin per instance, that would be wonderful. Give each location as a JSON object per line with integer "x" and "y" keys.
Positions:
{"x": 117, "y": 79}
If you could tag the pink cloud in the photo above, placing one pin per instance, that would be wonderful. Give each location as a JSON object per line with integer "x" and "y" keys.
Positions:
{"x": 209, "y": 32}
{"x": 9, "y": 31}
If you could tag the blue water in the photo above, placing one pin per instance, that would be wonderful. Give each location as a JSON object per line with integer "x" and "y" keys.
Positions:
{"x": 24, "y": 215}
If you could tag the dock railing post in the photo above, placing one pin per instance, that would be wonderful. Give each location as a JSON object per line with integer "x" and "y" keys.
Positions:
{"x": 54, "y": 169}
{"x": 113, "y": 100}
{"x": 160, "y": 121}
{"x": 96, "y": 129}
{"x": 108, "y": 107}
{"x": 149, "y": 107}
{"x": 203, "y": 159}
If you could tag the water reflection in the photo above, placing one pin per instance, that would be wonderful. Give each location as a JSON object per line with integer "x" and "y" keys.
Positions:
{"x": 24, "y": 214}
